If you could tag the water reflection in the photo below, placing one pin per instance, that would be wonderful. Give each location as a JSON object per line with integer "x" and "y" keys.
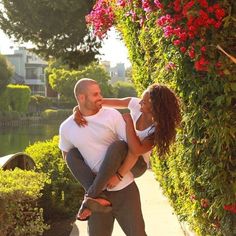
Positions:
{"x": 16, "y": 139}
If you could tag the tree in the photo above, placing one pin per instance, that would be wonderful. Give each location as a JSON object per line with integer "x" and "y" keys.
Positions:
{"x": 128, "y": 74}
{"x": 124, "y": 89}
{"x": 57, "y": 28}
{"x": 6, "y": 72}
{"x": 63, "y": 81}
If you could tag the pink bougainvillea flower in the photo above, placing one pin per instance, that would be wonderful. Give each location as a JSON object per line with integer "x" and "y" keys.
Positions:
{"x": 204, "y": 202}
{"x": 193, "y": 197}
{"x": 230, "y": 207}
{"x": 191, "y": 53}
{"x": 177, "y": 42}
{"x": 183, "y": 49}
{"x": 203, "y": 3}
{"x": 121, "y": 3}
{"x": 201, "y": 64}
{"x": 158, "y": 4}
{"x": 146, "y": 6}
{"x": 141, "y": 22}
{"x": 168, "y": 31}
{"x": 101, "y": 18}
{"x": 203, "y": 49}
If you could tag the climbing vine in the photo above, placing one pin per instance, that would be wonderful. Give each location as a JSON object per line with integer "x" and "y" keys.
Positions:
{"x": 188, "y": 45}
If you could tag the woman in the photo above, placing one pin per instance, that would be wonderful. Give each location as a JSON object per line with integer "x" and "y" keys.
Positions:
{"x": 152, "y": 123}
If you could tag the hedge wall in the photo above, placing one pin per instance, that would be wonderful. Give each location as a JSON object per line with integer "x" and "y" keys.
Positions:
{"x": 15, "y": 98}
{"x": 177, "y": 43}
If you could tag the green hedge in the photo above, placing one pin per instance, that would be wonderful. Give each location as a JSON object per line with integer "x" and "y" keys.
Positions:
{"x": 20, "y": 214}
{"x": 10, "y": 116}
{"x": 4, "y": 101}
{"x": 15, "y": 98}
{"x": 51, "y": 114}
{"x": 38, "y": 103}
{"x": 62, "y": 196}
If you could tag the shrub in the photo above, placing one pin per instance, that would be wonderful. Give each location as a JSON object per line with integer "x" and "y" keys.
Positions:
{"x": 15, "y": 98}
{"x": 19, "y": 211}
{"x": 6, "y": 72}
{"x": 4, "y": 100}
{"x": 61, "y": 197}
{"x": 39, "y": 103}
{"x": 10, "y": 115}
{"x": 51, "y": 114}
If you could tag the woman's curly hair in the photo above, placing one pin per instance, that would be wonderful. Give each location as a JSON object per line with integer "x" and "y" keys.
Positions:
{"x": 166, "y": 116}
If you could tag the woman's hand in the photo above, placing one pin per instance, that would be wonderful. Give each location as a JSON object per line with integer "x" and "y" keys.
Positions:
{"x": 127, "y": 118}
{"x": 113, "y": 181}
{"x": 78, "y": 117}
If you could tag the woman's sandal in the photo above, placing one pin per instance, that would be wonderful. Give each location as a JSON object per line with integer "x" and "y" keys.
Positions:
{"x": 92, "y": 205}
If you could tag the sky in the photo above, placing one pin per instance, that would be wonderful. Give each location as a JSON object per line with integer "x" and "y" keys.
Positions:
{"x": 113, "y": 48}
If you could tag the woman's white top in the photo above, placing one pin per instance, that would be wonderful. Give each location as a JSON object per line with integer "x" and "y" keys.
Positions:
{"x": 135, "y": 113}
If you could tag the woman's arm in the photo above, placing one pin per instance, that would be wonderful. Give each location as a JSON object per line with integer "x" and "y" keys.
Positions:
{"x": 111, "y": 102}
{"x": 116, "y": 102}
{"x": 136, "y": 146}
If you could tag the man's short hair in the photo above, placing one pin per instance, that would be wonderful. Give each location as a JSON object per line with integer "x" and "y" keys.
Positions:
{"x": 82, "y": 85}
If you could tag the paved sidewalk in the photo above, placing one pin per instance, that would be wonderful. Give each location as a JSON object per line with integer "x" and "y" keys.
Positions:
{"x": 158, "y": 215}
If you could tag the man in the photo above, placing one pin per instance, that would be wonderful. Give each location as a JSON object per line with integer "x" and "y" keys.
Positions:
{"x": 105, "y": 126}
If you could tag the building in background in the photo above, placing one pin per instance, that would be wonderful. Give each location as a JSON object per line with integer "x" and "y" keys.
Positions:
{"x": 28, "y": 70}
{"x": 117, "y": 72}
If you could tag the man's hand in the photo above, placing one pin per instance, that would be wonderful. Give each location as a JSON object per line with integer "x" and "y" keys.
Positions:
{"x": 113, "y": 181}
{"x": 78, "y": 117}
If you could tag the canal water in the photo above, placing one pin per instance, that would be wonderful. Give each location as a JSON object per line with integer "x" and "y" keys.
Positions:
{"x": 16, "y": 139}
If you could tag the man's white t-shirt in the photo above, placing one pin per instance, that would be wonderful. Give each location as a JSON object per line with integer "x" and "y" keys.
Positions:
{"x": 135, "y": 113}
{"x": 93, "y": 140}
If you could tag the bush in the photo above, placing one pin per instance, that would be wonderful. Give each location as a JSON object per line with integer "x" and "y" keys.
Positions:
{"x": 63, "y": 103}
{"x": 19, "y": 96}
{"x": 61, "y": 198}
{"x": 10, "y": 115}
{"x": 4, "y": 101}
{"x": 51, "y": 114}
{"x": 6, "y": 72}
{"x": 15, "y": 98}
{"x": 19, "y": 211}
{"x": 39, "y": 103}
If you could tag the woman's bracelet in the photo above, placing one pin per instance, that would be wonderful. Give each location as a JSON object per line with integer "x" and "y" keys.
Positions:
{"x": 120, "y": 177}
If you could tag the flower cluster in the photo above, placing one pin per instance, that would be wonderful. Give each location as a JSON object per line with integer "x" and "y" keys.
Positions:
{"x": 187, "y": 22}
{"x": 184, "y": 22}
{"x": 101, "y": 18}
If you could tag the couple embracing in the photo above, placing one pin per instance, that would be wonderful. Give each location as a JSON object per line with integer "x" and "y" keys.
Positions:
{"x": 105, "y": 151}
